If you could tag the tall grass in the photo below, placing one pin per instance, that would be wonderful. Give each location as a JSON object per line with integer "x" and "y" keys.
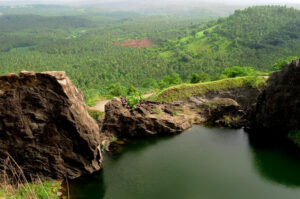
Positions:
{"x": 14, "y": 184}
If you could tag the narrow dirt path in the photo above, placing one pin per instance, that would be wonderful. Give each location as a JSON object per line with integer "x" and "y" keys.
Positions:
{"x": 100, "y": 105}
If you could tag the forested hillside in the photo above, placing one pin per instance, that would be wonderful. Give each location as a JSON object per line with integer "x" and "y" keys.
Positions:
{"x": 252, "y": 37}
{"x": 86, "y": 46}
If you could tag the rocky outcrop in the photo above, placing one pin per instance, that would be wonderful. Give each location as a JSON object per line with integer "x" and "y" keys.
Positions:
{"x": 159, "y": 118}
{"x": 45, "y": 127}
{"x": 246, "y": 97}
{"x": 278, "y": 107}
{"x": 222, "y": 112}
{"x": 148, "y": 118}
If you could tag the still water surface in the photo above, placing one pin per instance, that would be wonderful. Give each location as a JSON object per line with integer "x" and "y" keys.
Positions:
{"x": 201, "y": 163}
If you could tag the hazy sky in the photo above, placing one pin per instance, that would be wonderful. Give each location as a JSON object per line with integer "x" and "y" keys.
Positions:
{"x": 149, "y": 1}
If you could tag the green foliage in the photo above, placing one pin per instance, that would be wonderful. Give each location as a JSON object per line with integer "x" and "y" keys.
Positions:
{"x": 295, "y": 136}
{"x": 82, "y": 45}
{"x": 255, "y": 81}
{"x": 237, "y": 71}
{"x": 262, "y": 26}
{"x": 114, "y": 139}
{"x": 43, "y": 190}
{"x": 132, "y": 90}
{"x": 134, "y": 99}
{"x": 170, "y": 80}
{"x": 201, "y": 77}
{"x": 97, "y": 115}
{"x": 181, "y": 92}
{"x": 227, "y": 119}
{"x": 150, "y": 83}
{"x": 117, "y": 89}
{"x": 282, "y": 62}
{"x": 254, "y": 36}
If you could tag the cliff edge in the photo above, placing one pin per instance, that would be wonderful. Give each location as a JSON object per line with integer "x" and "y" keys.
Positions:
{"x": 45, "y": 127}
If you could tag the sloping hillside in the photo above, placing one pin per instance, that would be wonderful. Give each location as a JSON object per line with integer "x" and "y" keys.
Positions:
{"x": 254, "y": 36}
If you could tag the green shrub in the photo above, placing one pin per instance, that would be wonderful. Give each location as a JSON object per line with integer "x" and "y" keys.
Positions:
{"x": 201, "y": 77}
{"x": 295, "y": 136}
{"x": 134, "y": 99}
{"x": 238, "y": 71}
{"x": 282, "y": 62}
{"x": 255, "y": 81}
{"x": 116, "y": 89}
{"x": 132, "y": 90}
{"x": 170, "y": 80}
{"x": 114, "y": 139}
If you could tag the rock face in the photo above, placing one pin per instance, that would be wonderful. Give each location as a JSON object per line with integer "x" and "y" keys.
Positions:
{"x": 278, "y": 107}
{"x": 148, "y": 118}
{"x": 45, "y": 127}
{"x": 219, "y": 108}
{"x": 223, "y": 112}
{"x": 246, "y": 97}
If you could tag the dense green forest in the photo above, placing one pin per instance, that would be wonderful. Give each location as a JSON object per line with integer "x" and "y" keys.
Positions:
{"x": 84, "y": 45}
{"x": 254, "y": 37}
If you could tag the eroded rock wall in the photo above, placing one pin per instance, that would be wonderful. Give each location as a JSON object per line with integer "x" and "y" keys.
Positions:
{"x": 45, "y": 127}
{"x": 278, "y": 107}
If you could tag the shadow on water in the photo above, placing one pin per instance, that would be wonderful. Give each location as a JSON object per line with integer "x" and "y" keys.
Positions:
{"x": 275, "y": 160}
{"x": 93, "y": 186}
{"x": 90, "y": 186}
{"x": 136, "y": 145}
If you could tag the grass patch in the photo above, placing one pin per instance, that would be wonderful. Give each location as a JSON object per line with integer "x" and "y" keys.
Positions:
{"x": 14, "y": 184}
{"x": 184, "y": 91}
{"x": 30, "y": 190}
{"x": 97, "y": 115}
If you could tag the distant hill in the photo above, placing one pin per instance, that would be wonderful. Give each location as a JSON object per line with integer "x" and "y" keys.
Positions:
{"x": 88, "y": 45}
{"x": 255, "y": 36}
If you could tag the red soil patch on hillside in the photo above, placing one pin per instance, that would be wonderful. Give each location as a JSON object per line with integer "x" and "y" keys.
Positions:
{"x": 141, "y": 43}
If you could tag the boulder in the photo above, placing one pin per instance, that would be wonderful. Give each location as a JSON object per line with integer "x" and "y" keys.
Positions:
{"x": 45, "y": 126}
{"x": 218, "y": 112}
{"x": 278, "y": 107}
{"x": 224, "y": 112}
{"x": 148, "y": 118}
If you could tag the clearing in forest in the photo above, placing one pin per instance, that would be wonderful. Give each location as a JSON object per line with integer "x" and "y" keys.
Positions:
{"x": 141, "y": 43}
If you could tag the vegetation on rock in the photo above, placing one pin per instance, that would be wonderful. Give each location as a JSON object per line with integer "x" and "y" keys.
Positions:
{"x": 295, "y": 136}
{"x": 181, "y": 92}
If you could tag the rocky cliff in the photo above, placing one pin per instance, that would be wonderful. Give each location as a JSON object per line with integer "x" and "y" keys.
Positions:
{"x": 45, "y": 127}
{"x": 278, "y": 107}
{"x": 222, "y": 108}
{"x": 148, "y": 118}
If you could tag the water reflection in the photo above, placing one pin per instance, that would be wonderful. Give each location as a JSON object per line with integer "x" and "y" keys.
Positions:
{"x": 200, "y": 163}
{"x": 91, "y": 187}
{"x": 136, "y": 145}
{"x": 275, "y": 161}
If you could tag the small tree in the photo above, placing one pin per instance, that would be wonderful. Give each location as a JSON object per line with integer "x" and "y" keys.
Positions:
{"x": 170, "y": 80}
{"x": 132, "y": 90}
{"x": 201, "y": 77}
{"x": 237, "y": 71}
{"x": 117, "y": 89}
{"x": 195, "y": 78}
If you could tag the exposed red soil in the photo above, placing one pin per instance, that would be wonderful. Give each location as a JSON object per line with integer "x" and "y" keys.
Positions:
{"x": 137, "y": 43}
